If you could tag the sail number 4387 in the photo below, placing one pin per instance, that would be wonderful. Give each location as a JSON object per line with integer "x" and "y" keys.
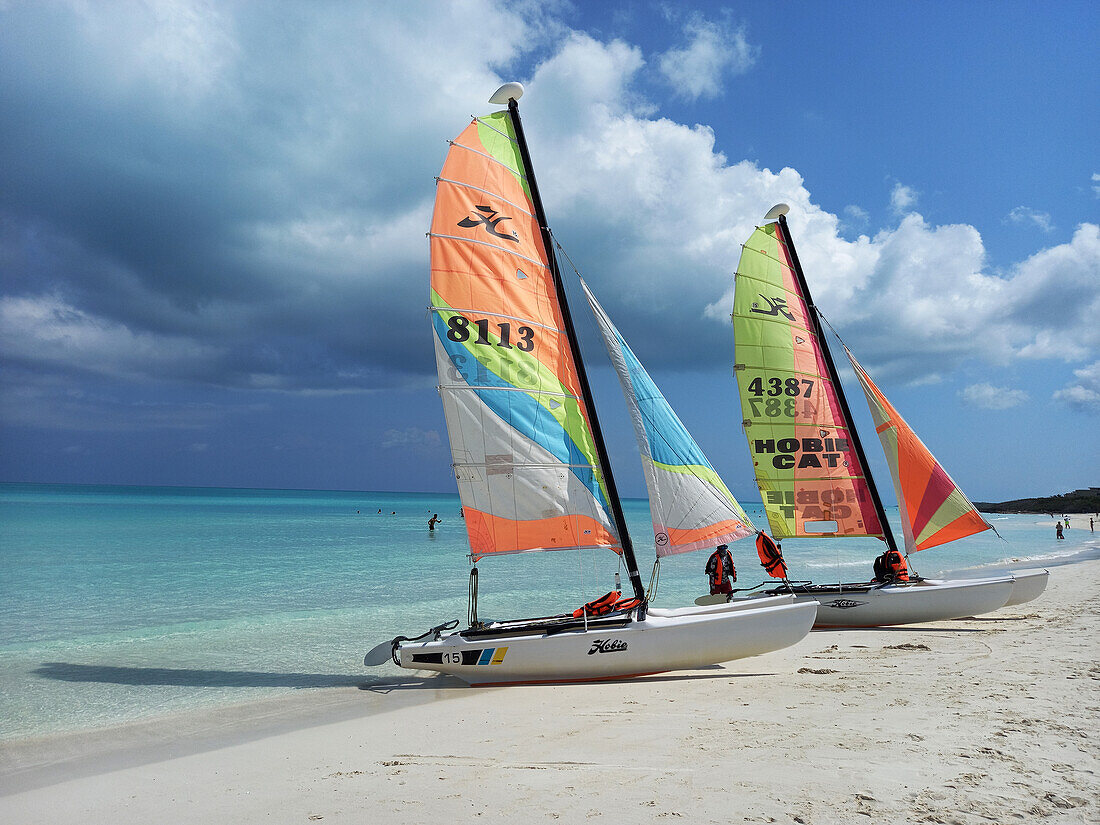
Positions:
{"x": 792, "y": 387}
{"x": 781, "y": 401}
{"x": 458, "y": 330}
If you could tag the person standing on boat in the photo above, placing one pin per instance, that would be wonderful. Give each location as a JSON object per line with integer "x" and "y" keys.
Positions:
{"x": 891, "y": 567}
{"x": 721, "y": 571}
{"x": 433, "y": 521}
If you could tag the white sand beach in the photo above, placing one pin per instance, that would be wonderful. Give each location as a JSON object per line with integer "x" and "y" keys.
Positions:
{"x": 990, "y": 719}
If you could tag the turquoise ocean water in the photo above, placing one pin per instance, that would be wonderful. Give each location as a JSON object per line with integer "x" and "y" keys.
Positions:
{"x": 124, "y": 603}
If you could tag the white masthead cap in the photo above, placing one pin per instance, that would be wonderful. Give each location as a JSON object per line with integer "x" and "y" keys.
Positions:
{"x": 508, "y": 90}
{"x": 776, "y": 211}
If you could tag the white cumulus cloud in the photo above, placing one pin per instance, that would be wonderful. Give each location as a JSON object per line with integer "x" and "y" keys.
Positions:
{"x": 902, "y": 198}
{"x": 988, "y": 397}
{"x": 1085, "y": 393}
{"x": 1024, "y": 215}
{"x": 713, "y": 50}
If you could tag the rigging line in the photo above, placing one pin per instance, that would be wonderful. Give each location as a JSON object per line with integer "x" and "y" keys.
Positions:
{"x": 832, "y": 329}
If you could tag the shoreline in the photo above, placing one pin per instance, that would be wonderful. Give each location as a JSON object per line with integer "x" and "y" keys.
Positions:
{"x": 979, "y": 718}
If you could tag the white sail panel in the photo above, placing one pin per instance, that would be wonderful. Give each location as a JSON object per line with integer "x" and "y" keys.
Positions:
{"x": 690, "y": 505}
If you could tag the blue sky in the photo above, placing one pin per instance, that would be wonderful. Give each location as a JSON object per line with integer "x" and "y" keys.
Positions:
{"x": 213, "y": 268}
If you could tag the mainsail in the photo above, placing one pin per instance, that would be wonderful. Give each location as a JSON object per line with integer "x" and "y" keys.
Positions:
{"x": 933, "y": 508}
{"x": 524, "y": 455}
{"x": 807, "y": 468}
{"x": 689, "y": 503}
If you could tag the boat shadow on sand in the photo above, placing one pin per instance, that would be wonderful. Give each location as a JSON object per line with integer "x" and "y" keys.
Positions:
{"x": 195, "y": 677}
{"x": 190, "y": 677}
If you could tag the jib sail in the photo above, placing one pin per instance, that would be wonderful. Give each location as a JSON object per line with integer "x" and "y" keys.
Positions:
{"x": 689, "y": 503}
{"x": 933, "y": 509}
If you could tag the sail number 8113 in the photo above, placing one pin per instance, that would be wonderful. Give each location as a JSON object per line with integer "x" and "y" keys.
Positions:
{"x": 458, "y": 330}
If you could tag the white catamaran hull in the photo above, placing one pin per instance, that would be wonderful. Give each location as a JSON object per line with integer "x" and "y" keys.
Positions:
{"x": 653, "y": 645}
{"x": 1027, "y": 585}
{"x": 927, "y": 600}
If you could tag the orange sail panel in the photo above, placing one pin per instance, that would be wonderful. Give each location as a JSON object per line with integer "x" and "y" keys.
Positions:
{"x": 810, "y": 478}
{"x": 933, "y": 508}
{"x": 523, "y": 450}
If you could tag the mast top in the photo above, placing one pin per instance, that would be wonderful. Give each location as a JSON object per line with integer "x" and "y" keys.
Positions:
{"x": 509, "y": 91}
{"x": 776, "y": 211}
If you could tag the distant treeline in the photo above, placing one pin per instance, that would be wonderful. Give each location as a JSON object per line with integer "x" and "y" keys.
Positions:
{"x": 1079, "y": 501}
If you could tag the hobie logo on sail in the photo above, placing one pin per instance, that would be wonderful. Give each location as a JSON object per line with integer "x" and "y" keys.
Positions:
{"x": 776, "y": 307}
{"x": 490, "y": 219}
{"x": 607, "y": 646}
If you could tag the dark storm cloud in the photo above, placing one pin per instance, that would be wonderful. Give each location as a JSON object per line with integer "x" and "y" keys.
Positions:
{"x": 236, "y": 187}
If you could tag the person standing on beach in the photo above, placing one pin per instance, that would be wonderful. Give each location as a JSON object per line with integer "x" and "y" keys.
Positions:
{"x": 721, "y": 571}
{"x": 433, "y": 521}
{"x": 1058, "y": 530}
{"x": 1092, "y": 527}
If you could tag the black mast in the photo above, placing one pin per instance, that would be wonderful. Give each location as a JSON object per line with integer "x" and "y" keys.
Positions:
{"x": 852, "y": 434}
{"x": 571, "y": 335}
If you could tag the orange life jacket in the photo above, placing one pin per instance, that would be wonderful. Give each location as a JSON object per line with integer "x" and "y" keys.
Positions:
{"x": 719, "y": 575}
{"x": 893, "y": 566}
{"x": 598, "y": 607}
{"x": 770, "y": 556}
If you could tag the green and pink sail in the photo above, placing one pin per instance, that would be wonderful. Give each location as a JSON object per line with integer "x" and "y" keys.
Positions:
{"x": 690, "y": 505}
{"x": 523, "y": 450}
{"x": 801, "y": 442}
{"x": 810, "y": 478}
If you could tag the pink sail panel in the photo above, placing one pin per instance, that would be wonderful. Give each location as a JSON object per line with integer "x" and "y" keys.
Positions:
{"x": 933, "y": 508}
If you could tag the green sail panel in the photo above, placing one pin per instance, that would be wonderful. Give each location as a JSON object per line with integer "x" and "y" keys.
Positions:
{"x": 810, "y": 478}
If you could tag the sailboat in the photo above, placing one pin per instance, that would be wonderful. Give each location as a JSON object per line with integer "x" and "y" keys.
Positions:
{"x": 529, "y": 457}
{"x": 810, "y": 465}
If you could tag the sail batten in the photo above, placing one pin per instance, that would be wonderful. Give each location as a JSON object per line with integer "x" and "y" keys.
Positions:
{"x": 690, "y": 505}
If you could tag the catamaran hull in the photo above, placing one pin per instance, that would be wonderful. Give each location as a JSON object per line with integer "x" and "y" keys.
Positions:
{"x": 927, "y": 600}
{"x": 653, "y": 645}
{"x": 1027, "y": 585}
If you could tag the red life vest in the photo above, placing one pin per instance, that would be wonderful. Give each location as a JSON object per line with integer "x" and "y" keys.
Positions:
{"x": 771, "y": 557}
{"x": 607, "y": 603}
{"x": 891, "y": 566}
{"x": 719, "y": 574}
{"x": 895, "y": 564}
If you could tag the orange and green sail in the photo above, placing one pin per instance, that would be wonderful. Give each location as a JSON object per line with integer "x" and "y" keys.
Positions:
{"x": 522, "y": 445}
{"x": 933, "y": 508}
{"x": 811, "y": 480}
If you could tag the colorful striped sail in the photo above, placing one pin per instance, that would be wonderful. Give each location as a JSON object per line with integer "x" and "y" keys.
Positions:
{"x": 933, "y": 509}
{"x": 524, "y": 456}
{"x": 810, "y": 478}
{"x": 690, "y": 504}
